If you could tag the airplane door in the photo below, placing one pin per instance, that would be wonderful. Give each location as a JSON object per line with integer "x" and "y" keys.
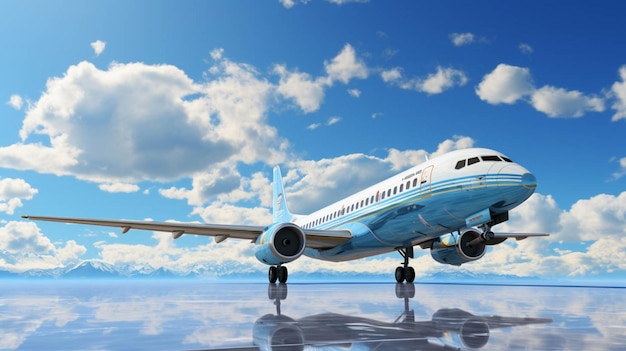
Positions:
{"x": 425, "y": 187}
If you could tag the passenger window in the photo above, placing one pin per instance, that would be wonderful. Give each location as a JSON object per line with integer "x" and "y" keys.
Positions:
{"x": 414, "y": 182}
{"x": 460, "y": 164}
{"x": 382, "y": 196}
{"x": 395, "y": 190}
{"x": 472, "y": 160}
{"x": 408, "y": 185}
{"x": 401, "y": 187}
{"x": 388, "y": 192}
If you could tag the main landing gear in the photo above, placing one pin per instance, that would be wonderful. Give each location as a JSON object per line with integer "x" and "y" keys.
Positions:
{"x": 277, "y": 273}
{"x": 405, "y": 272}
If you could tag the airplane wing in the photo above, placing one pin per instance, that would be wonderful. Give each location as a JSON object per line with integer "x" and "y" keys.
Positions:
{"x": 317, "y": 239}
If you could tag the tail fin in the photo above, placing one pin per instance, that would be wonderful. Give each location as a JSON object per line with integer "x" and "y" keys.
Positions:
{"x": 280, "y": 211}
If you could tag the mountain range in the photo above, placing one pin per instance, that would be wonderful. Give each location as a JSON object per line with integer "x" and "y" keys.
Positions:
{"x": 96, "y": 269}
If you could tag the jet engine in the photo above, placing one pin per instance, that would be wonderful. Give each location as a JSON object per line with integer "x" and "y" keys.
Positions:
{"x": 457, "y": 248}
{"x": 280, "y": 243}
{"x": 277, "y": 333}
{"x": 462, "y": 328}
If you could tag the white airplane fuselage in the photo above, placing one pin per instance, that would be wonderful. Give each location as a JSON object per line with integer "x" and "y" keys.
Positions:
{"x": 437, "y": 197}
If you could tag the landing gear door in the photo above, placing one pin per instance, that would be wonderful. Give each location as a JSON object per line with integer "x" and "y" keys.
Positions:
{"x": 426, "y": 186}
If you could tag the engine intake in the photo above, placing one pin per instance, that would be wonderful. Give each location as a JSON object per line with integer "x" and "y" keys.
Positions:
{"x": 455, "y": 249}
{"x": 280, "y": 243}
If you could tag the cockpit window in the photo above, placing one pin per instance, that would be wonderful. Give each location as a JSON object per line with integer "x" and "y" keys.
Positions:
{"x": 506, "y": 159}
{"x": 491, "y": 158}
{"x": 460, "y": 164}
{"x": 472, "y": 160}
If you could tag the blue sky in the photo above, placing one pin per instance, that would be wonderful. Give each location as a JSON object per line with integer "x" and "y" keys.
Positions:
{"x": 174, "y": 111}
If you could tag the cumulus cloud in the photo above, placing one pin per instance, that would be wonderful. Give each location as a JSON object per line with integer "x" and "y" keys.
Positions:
{"x": 460, "y": 39}
{"x": 98, "y": 47}
{"x": 619, "y": 91}
{"x": 15, "y": 101}
{"x": 24, "y": 247}
{"x": 165, "y": 124}
{"x": 596, "y": 224}
{"x": 558, "y": 102}
{"x": 119, "y": 188}
{"x": 434, "y": 83}
{"x": 508, "y": 84}
{"x": 12, "y": 192}
{"x": 346, "y": 66}
{"x": 307, "y": 92}
{"x": 505, "y": 84}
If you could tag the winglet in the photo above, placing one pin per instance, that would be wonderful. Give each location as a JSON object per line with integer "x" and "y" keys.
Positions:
{"x": 280, "y": 211}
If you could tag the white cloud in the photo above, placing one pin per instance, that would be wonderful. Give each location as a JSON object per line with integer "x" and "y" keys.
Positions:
{"x": 119, "y": 188}
{"x": 354, "y": 92}
{"x": 619, "y": 91}
{"x": 460, "y": 39}
{"x": 558, "y": 102}
{"x": 443, "y": 79}
{"x": 98, "y": 47}
{"x": 307, "y": 92}
{"x": 16, "y": 102}
{"x": 509, "y": 84}
{"x": 313, "y": 126}
{"x": 24, "y": 247}
{"x": 346, "y": 66}
{"x": 166, "y": 125}
{"x": 434, "y": 83}
{"x": 525, "y": 48}
{"x": 391, "y": 75}
{"x": 505, "y": 84}
{"x": 287, "y": 3}
{"x": 12, "y": 192}
{"x": 333, "y": 120}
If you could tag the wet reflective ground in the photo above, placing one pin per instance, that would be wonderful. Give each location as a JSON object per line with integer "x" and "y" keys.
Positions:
{"x": 173, "y": 315}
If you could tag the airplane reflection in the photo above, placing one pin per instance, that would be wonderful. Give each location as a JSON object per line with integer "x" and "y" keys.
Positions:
{"x": 448, "y": 329}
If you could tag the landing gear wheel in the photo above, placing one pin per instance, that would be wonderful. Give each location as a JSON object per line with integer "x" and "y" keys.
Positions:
{"x": 409, "y": 274}
{"x": 282, "y": 274}
{"x": 399, "y": 274}
{"x": 272, "y": 274}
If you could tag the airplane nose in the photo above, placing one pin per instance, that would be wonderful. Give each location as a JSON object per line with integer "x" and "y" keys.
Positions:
{"x": 529, "y": 181}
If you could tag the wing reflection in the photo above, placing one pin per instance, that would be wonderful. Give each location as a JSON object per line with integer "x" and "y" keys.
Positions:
{"x": 448, "y": 329}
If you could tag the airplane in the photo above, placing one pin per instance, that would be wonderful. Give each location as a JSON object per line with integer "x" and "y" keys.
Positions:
{"x": 447, "y": 204}
{"x": 448, "y": 329}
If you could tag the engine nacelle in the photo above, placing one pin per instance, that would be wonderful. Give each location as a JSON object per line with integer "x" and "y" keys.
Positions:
{"x": 277, "y": 333}
{"x": 454, "y": 248}
{"x": 280, "y": 243}
{"x": 462, "y": 328}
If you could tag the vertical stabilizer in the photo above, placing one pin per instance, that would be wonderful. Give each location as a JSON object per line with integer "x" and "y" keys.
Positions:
{"x": 280, "y": 211}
